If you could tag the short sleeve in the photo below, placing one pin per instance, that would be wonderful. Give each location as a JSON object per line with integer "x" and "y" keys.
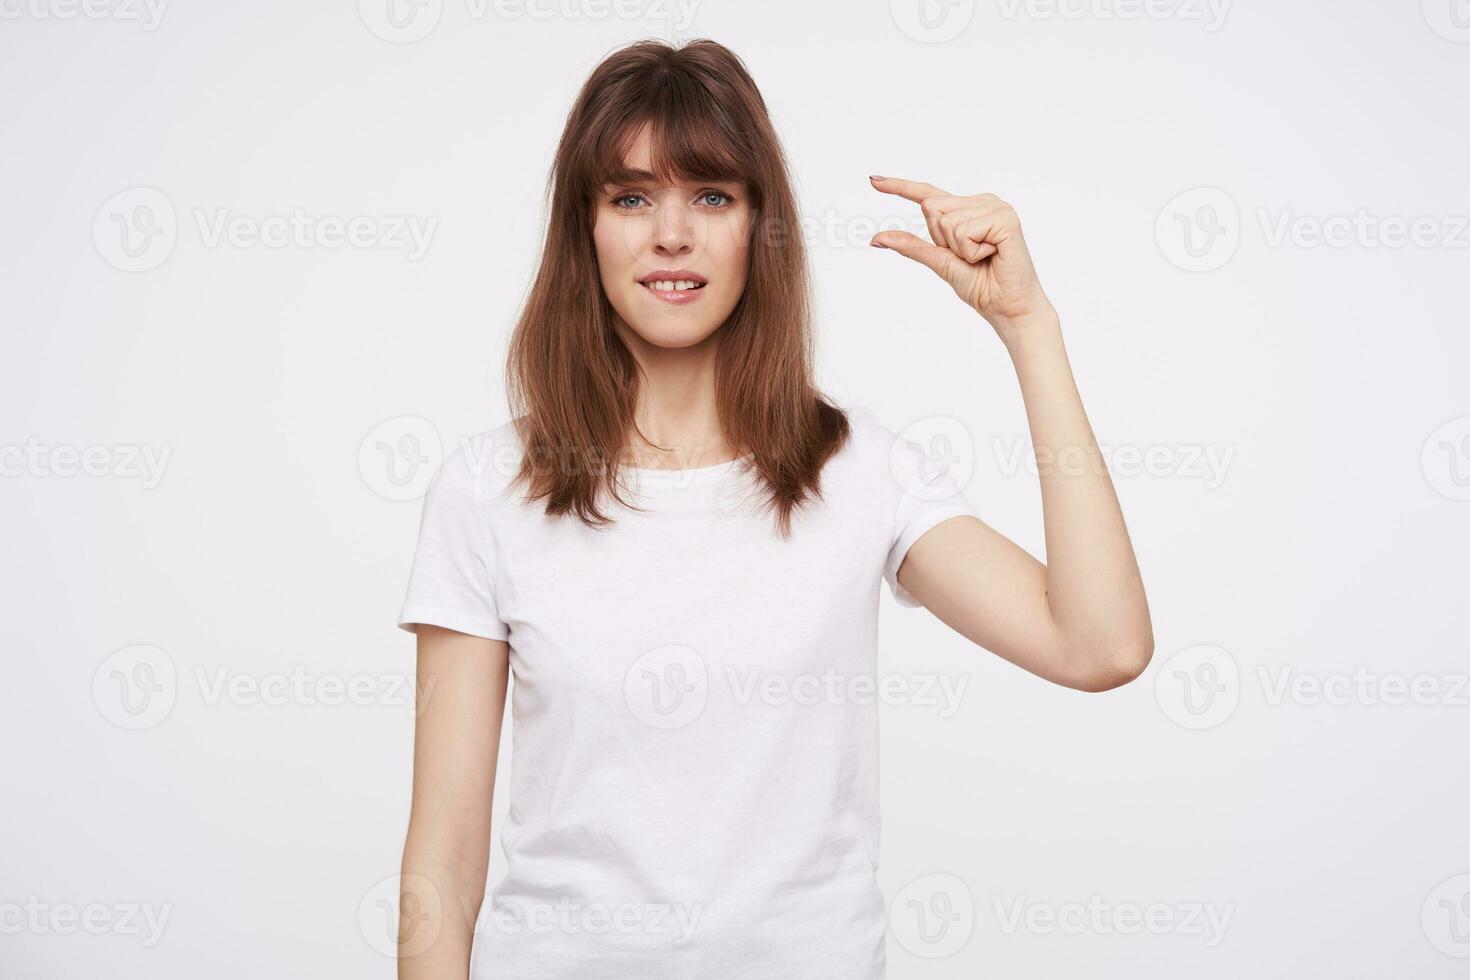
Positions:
{"x": 924, "y": 491}
{"x": 451, "y": 581}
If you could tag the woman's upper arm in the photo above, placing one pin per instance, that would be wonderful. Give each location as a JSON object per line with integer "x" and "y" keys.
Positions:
{"x": 992, "y": 591}
{"x": 462, "y": 683}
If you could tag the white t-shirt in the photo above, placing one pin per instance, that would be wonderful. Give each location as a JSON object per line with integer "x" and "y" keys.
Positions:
{"x": 694, "y": 774}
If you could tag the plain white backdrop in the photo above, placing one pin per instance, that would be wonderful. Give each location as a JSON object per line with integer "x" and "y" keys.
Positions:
{"x": 258, "y": 267}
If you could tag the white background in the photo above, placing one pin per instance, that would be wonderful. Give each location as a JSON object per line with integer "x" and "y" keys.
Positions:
{"x": 273, "y": 535}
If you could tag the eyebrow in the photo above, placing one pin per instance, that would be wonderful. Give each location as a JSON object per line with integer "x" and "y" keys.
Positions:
{"x": 627, "y": 175}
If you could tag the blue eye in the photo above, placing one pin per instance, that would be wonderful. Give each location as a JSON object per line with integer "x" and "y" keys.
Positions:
{"x": 725, "y": 199}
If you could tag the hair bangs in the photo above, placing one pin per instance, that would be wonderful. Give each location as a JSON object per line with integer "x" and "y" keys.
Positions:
{"x": 689, "y": 139}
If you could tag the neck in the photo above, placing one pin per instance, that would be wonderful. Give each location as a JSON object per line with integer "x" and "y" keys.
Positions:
{"x": 677, "y": 425}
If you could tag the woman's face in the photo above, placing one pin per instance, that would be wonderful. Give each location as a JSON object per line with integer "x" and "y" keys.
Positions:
{"x": 650, "y": 236}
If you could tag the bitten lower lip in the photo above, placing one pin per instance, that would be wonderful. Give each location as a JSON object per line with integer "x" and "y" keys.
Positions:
{"x": 673, "y": 295}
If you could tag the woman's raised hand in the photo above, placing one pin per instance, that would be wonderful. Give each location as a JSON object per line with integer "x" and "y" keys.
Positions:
{"x": 977, "y": 248}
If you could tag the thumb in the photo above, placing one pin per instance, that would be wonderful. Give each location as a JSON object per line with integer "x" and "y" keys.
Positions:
{"x": 911, "y": 245}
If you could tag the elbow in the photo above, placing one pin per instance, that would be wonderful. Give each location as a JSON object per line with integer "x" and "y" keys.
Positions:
{"x": 1118, "y": 662}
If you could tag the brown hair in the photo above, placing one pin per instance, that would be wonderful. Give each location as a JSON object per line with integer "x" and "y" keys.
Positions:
{"x": 569, "y": 376}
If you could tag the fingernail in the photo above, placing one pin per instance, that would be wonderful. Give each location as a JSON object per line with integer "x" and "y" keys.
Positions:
{"x": 876, "y": 244}
{"x": 876, "y": 177}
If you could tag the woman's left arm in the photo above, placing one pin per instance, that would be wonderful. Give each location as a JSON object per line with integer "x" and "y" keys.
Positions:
{"x": 1081, "y": 619}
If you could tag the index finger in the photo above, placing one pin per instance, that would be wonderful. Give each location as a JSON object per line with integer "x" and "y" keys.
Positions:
{"x": 913, "y": 190}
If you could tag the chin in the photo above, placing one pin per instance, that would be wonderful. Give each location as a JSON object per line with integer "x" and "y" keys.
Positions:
{"x": 673, "y": 328}
{"x": 671, "y": 335}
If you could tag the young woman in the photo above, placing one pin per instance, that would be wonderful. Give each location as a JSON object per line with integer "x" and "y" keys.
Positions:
{"x": 677, "y": 547}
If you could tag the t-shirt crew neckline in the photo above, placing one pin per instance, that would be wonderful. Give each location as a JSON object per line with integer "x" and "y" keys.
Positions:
{"x": 687, "y": 477}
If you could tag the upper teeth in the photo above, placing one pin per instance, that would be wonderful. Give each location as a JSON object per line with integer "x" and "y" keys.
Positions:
{"x": 667, "y": 284}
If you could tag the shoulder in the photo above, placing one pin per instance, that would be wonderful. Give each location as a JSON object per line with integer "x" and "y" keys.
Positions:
{"x": 860, "y": 466}
{"x": 870, "y": 427}
{"x": 482, "y": 463}
{"x": 929, "y": 455}
{"x": 870, "y": 440}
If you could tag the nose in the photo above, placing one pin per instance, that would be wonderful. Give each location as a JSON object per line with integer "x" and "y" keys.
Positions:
{"x": 673, "y": 232}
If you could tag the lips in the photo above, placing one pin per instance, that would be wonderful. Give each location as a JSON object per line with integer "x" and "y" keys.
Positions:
{"x": 673, "y": 275}
{"x": 673, "y": 294}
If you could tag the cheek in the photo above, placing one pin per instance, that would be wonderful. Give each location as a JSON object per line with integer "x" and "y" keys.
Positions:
{"x": 730, "y": 252}
{"x": 610, "y": 238}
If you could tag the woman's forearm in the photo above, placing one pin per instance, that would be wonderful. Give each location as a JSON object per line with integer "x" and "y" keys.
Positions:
{"x": 1094, "y": 589}
{"x": 462, "y": 683}
{"x": 437, "y": 908}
